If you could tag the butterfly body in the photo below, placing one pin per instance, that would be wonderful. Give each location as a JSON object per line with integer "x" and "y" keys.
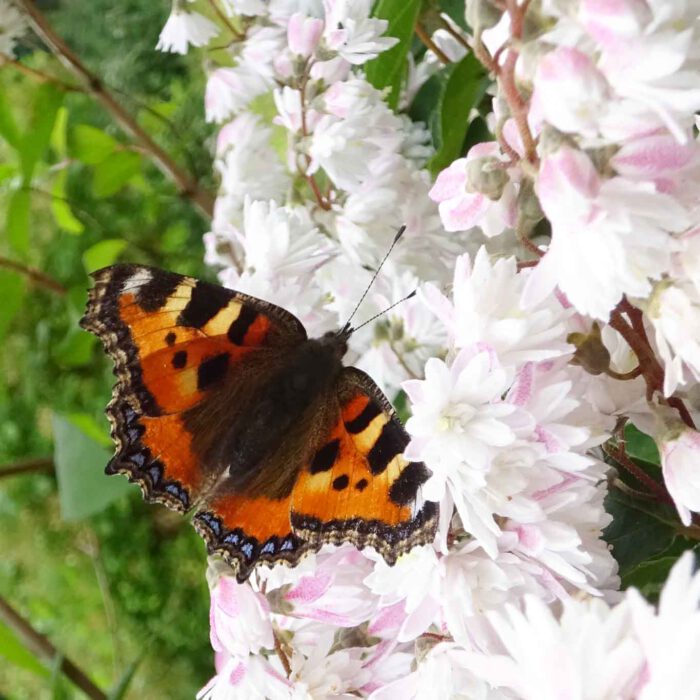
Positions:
{"x": 223, "y": 405}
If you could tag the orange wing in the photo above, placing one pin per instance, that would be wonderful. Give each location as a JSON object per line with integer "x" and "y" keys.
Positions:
{"x": 358, "y": 487}
{"x": 173, "y": 339}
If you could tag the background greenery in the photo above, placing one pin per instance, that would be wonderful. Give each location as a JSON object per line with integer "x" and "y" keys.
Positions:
{"x": 113, "y": 582}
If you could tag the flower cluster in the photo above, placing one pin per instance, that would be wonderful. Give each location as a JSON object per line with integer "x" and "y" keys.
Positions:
{"x": 13, "y": 25}
{"x": 559, "y": 300}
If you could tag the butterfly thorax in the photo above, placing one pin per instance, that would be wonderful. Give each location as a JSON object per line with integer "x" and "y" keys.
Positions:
{"x": 264, "y": 424}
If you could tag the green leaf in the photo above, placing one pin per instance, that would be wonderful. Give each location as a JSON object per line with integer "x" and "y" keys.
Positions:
{"x": 649, "y": 576}
{"x": 389, "y": 68}
{"x": 639, "y": 445}
{"x": 59, "y": 133}
{"x": 16, "y": 653}
{"x": 90, "y": 145}
{"x": 75, "y": 350}
{"x": 59, "y": 690}
{"x": 83, "y": 487}
{"x": 103, "y": 254}
{"x": 17, "y": 222}
{"x": 62, "y": 212}
{"x": 638, "y": 531}
{"x": 464, "y": 88}
{"x": 454, "y": 9}
{"x": 114, "y": 172}
{"x": 36, "y": 138}
{"x": 88, "y": 425}
{"x": 8, "y": 127}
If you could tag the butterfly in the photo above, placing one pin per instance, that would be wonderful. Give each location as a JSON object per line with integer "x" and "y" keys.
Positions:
{"x": 223, "y": 406}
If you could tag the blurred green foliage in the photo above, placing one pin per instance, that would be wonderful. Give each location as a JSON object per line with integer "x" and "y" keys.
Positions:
{"x": 108, "y": 584}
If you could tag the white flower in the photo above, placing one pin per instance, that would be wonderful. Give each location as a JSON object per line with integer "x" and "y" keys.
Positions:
{"x": 609, "y": 237}
{"x": 670, "y": 638}
{"x": 459, "y": 423}
{"x": 441, "y": 673}
{"x": 249, "y": 167}
{"x": 487, "y": 307}
{"x": 229, "y": 90}
{"x": 674, "y": 310}
{"x": 588, "y": 653}
{"x": 415, "y": 583}
{"x": 12, "y": 25}
{"x": 185, "y": 28}
{"x": 680, "y": 459}
{"x": 351, "y": 32}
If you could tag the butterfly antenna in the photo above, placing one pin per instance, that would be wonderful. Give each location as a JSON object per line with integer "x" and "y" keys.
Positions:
{"x": 347, "y": 328}
{"x": 381, "y": 313}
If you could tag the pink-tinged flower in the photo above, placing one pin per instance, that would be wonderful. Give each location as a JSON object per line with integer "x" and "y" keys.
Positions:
{"x": 334, "y": 593}
{"x": 185, "y": 28}
{"x": 670, "y": 638}
{"x": 646, "y": 54}
{"x": 247, "y": 678}
{"x": 673, "y": 167}
{"x": 240, "y": 618}
{"x": 680, "y": 463}
{"x": 476, "y": 191}
{"x": 351, "y": 31}
{"x": 609, "y": 237}
{"x": 303, "y": 34}
{"x": 570, "y": 92}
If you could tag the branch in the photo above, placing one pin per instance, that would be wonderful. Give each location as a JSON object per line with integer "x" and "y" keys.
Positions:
{"x": 36, "y": 276}
{"x": 43, "y": 649}
{"x": 6, "y": 60}
{"x": 27, "y": 466}
{"x": 431, "y": 45}
{"x": 187, "y": 186}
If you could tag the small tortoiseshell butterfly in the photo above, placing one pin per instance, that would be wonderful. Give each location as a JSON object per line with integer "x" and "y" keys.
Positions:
{"x": 224, "y": 405}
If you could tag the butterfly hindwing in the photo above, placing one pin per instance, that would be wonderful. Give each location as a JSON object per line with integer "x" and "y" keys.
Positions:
{"x": 357, "y": 487}
{"x": 175, "y": 341}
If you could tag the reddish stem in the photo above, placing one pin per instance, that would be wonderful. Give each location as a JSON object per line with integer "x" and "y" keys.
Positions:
{"x": 620, "y": 456}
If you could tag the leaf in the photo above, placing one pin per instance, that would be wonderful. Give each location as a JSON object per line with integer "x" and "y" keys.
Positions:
{"x": 637, "y": 532}
{"x": 639, "y": 445}
{"x": 454, "y": 9}
{"x": 17, "y": 222}
{"x": 102, "y": 254}
{"x": 90, "y": 145}
{"x": 88, "y": 425}
{"x": 37, "y": 136}
{"x": 57, "y": 682}
{"x": 83, "y": 487}
{"x": 62, "y": 212}
{"x": 12, "y": 292}
{"x": 8, "y": 127}
{"x": 649, "y": 576}
{"x": 464, "y": 88}
{"x": 114, "y": 172}
{"x": 59, "y": 133}
{"x": 389, "y": 68}
{"x": 16, "y": 653}
{"x": 75, "y": 350}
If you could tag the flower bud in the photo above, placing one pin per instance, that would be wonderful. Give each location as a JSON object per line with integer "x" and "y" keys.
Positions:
{"x": 680, "y": 455}
{"x": 303, "y": 34}
{"x": 590, "y": 353}
{"x": 481, "y": 14}
{"x": 487, "y": 176}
